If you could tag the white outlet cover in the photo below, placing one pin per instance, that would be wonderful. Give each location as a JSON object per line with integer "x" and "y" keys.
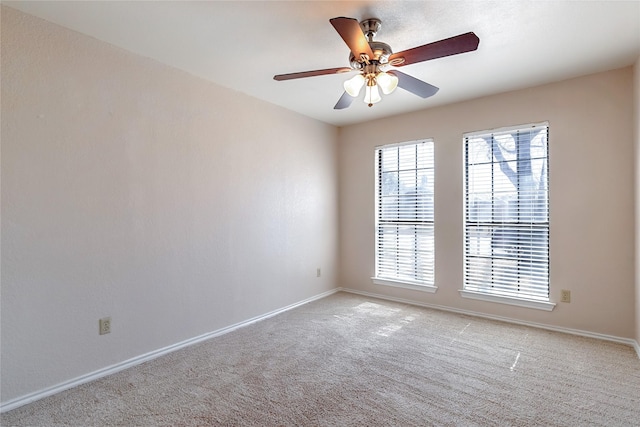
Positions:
{"x": 105, "y": 326}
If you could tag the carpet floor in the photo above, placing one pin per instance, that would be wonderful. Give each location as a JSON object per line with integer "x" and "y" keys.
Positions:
{"x": 348, "y": 360}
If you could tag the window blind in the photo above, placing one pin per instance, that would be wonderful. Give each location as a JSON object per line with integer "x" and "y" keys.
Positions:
{"x": 506, "y": 234}
{"x": 404, "y": 212}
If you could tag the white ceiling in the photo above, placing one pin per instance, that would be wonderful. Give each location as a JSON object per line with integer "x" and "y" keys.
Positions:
{"x": 242, "y": 45}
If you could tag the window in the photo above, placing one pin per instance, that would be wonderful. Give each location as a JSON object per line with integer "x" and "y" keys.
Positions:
{"x": 404, "y": 215}
{"x": 506, "y": 252}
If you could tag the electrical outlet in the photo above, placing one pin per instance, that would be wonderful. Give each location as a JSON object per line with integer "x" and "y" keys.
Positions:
{"x": 565, "y": 295}
{"x": 105, "y": 325}
{"x": 318, "y": 272}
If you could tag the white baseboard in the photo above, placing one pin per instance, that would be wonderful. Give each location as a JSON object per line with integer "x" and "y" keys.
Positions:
{"x": 109, "y": 370}
{"x": 32, "y": 397}
{"x": 627, "y": 341}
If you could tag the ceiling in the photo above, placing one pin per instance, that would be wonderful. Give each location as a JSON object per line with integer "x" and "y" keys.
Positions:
{"x": 242, "y": 45}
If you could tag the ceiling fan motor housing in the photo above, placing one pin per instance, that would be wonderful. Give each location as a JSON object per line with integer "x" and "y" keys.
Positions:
{"x": 381, "y": 50}
{"x": 381, "y": 53}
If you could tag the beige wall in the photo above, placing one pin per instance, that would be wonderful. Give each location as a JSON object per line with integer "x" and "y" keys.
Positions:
{"x": 136, "y": 191}
{"x": 591, "y": 197}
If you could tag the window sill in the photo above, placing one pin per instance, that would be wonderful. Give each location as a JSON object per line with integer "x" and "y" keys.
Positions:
{"x": 406, "y": 285}
{"x": 538, "y": 305}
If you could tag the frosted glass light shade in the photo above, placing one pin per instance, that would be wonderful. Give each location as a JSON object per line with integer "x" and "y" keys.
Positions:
{"x": 387, "y": 82}
{"x": 354, "y": 84}
{"x": 371, "y": 95}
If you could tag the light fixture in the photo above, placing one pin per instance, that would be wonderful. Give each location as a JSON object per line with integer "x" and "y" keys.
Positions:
{"x": 371, "y": 95}
{"x": 374, "y": 78}
{"x": 354, "y": 84}
{"x": 387, "y": 82}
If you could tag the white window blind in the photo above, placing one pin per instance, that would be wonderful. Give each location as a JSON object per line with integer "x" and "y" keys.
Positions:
{"x": 404, "y": 213}
{"x": 507, "y": 213}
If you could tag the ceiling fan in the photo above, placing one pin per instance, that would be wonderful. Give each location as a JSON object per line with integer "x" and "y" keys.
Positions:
{"x": 372, "y": 60}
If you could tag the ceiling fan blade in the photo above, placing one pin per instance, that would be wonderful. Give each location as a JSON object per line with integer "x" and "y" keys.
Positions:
{"x": 344, "y": 101}
{"x": 452, "y": 46}
{"x": 413, "y": 85}
{"x": 350, "y": 31}
{"x": 313, "y": 73}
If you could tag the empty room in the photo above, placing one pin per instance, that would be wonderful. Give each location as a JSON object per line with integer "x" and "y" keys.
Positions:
{"x": 322, "y": 213}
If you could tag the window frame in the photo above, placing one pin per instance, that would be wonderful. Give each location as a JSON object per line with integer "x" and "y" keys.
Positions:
{"x": 505, "y": 296}
{"x": 403, "y": 282}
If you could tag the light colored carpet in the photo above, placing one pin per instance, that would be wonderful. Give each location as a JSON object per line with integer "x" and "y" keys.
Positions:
{"x": 348, "y": 360}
